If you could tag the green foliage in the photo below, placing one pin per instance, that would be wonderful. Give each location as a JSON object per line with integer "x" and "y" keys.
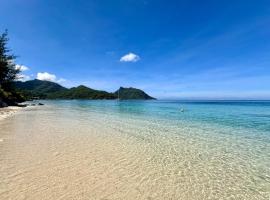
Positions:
{"x": 132, "y": 93}
{"x": 8, "y": 72}
{"x": 82, "y": 92}
{"x": 38, "y": 88}
{"x": 50, "y": 90}
{"x": 11, "y": 97}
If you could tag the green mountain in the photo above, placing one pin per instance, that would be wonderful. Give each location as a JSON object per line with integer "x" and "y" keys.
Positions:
{"x": 50, "y": 90}
{"x": 81, "y": 92}
{"x": 131, "y": 93}
{"x": 38, "y": 88}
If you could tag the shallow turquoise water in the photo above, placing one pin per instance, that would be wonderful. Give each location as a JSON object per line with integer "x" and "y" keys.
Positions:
{"x": 219, "y": 147}
{"x": 252, "y": 115}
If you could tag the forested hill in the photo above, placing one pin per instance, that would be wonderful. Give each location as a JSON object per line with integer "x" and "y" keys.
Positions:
{"x": 38, "y": 88}
{"x": 50, "y": 90}
{"x": 132, "y": 93}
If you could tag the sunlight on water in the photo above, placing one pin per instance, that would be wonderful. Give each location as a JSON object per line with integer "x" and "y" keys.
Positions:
{"x": 137, "y": 150}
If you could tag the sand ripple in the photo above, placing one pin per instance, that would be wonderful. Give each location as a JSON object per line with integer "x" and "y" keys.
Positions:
{"x": 56, "y": 154}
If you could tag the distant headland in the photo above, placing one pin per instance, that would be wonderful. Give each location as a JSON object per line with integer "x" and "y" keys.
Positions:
{"x": 50, "y": 90}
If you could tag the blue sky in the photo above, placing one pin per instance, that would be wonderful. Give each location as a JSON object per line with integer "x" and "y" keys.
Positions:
{"x": 171, "y": 49}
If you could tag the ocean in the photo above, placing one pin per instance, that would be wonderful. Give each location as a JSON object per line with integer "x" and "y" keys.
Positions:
{"x": 109, "y": 149}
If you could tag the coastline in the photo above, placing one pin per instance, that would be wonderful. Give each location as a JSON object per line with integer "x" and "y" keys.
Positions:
{"x": 8, "y": 111}
{"x": 104, "y": 150}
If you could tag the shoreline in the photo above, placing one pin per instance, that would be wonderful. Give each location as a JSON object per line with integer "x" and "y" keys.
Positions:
{"x": 8, "y": 111}
{"x": 73, "y": 150}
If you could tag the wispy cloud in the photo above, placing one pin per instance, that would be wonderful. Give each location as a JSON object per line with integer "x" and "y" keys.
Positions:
{"x": 22, "y": 68}
{"x": 45, "y": 76}
{"x": 23, "y": 77}
{"x": 61, "y": 80}
{"x": 130, "y": 57}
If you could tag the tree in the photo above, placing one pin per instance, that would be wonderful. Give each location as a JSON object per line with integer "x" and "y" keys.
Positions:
{"x": 8, "y": 71}
{"x": 8, "y": 74}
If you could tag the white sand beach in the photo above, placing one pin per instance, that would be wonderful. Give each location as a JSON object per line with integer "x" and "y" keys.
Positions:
{"x": 76, "y": 152}
{"x": 8, "y": 111}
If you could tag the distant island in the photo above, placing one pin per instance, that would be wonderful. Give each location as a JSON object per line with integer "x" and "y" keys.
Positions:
{"x": 50, "y": 90}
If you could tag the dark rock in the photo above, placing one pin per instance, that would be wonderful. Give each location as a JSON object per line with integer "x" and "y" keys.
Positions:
{"x": 40, "y": 104}
{"x": 22, "y": 105}
{"x": 3, "y": 104}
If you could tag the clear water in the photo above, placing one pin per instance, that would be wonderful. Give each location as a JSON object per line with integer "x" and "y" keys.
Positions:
{"x": 249, "y": 117}
{"x": 167, "y": 149}
{"x": 235, "y": 133}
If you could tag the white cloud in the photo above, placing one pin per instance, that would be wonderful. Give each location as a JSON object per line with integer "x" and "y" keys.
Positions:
{"x": 61, "y": 80}
{"x": 21, "y": 67}
{"x": 130, "y": 57}
{"x": 23, "y": 77}
{"x": 45, "y": 76}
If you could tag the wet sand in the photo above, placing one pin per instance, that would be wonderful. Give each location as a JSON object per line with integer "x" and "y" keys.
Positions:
{"x": 8, "y": 111}
{"x": 46, "y": 154}
{"x": 47, "y": 163}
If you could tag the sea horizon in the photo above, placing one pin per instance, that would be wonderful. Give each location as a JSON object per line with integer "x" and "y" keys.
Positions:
{"x": 134, "y": 100}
